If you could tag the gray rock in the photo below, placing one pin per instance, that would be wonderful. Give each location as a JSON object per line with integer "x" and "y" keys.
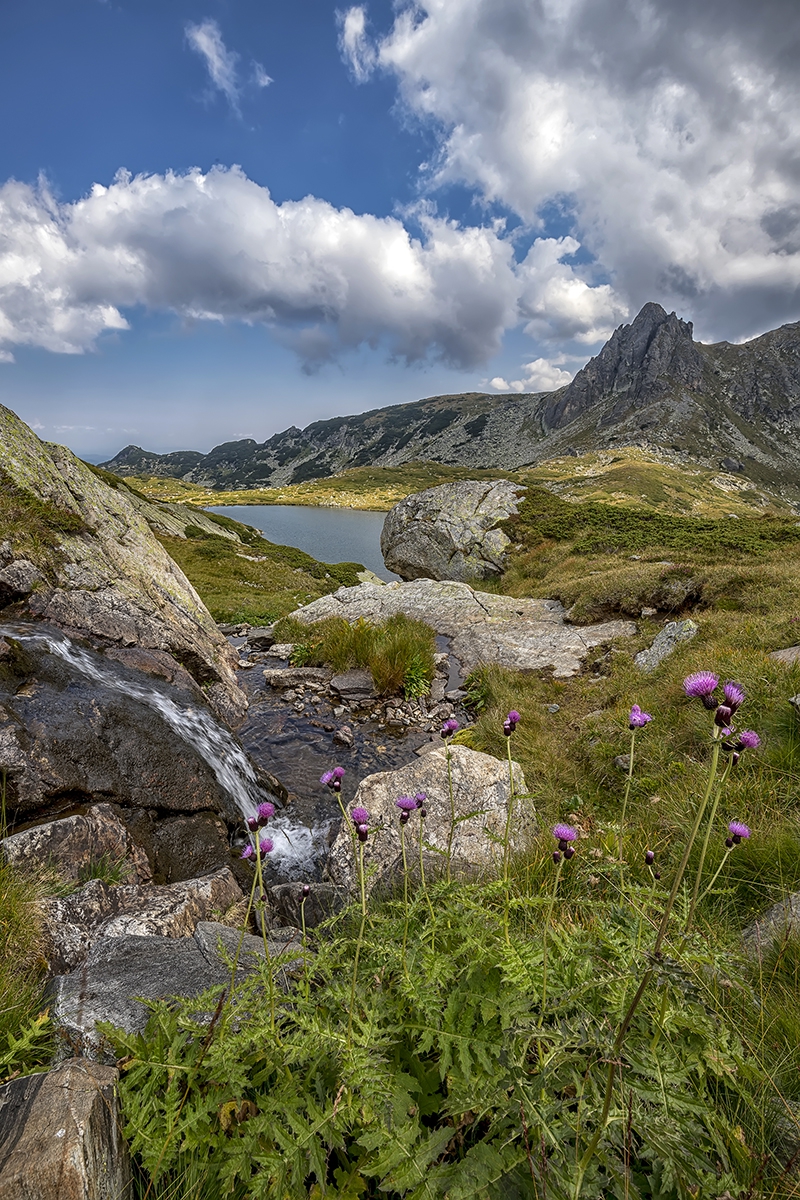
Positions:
{"x": 623, "y": 762}
{"x": 450, "y": 531}
{"x": 72, "y": 845}
{"x": 664, "y": 643}
{"x": 98, "y": 911}
{"x": 284, "y": 902}
{"x": 261, "y": 638}
{"x": 554, "y": 708}
{"x": 353, "y": 686}
{"x": 344, "y": 736}
{"x": 61, "y": 1136}
{"x": 292, "y": 677}
{"x": 18, "y": 580}
{"x": 731, "y": 464}
{"x": 438, "y": 690}
{"x": 795, "y": 702}
{"x": 789, "y": 656}
{"x": 480, "y": 787}
{"x": 777, "y": 924}
{"x": 187, "y": 847}
{"x": 281, "y": 650}
{"x": 484, "y": 628}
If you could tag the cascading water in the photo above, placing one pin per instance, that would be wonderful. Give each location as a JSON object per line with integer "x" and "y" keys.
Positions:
{"x": 296, "y": 847}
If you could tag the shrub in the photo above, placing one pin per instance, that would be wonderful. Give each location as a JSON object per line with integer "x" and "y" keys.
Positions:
{"x": 399, "y": 651}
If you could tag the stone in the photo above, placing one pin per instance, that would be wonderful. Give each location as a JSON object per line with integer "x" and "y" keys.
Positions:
{"x": 61, "y": 1136}
{"x": 648, "y": 612}
{"x": 284, "y": 901}
{"x": 97, "y": 911}
{"x": 520, "y": 633}
{"x": 281, "y": 650}
{"x": 664, "y": 643}
{"x": 623, "y": 762}
{"x": 438, "y": 690}
{"x": 788, "y": 657}
{"x": 111, "y": 578}
{"x": 119, "y": 972}
{"x": 261, "y": 638}
{"x": 450, "y": 531}
{"x": 18, "y": 580}
{"x": 795, "y": 702}
{"x": 293, "y": 677}
{"x": 353, "y": 686}
{"x": 733, "y": 465}
{"x": 777, "y": 924}
{"x": 73, "y": 845}
{"x": 186, "y": 847}
{"x": 553, "y": 708}
{"x": 344, "y": 736}
{"x": 480, "y": 788}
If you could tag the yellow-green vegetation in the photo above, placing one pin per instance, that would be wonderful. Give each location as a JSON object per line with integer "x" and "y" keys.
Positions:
{"x": 399, "y": 651}
{"x": 629, "y": 476}
{"x": 33, "y": 524}
{"x": 255, "y": 582}
{"x": 25, "y": 1031}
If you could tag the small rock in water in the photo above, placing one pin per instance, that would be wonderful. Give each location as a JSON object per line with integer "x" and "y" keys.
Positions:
{"x": 338, "y": 710}
{"x": 344, "y": 736}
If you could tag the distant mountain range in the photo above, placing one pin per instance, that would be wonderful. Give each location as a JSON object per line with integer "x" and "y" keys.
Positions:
{"x": 730, "y": 406}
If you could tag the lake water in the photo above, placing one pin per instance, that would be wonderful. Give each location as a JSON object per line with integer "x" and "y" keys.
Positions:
{"x": 328, "y": 534}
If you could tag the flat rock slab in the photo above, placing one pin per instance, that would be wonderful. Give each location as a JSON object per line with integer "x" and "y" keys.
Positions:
{"x": 292, "y": 677}
{"x": 663, "y": 644}
{"x": 61, "y": 1136}
{"x": 74, "y": 923}
{"x": 353, "y": 686}
{"x": 518, "y": 633}
{"x": 120, "y": 972}
{"x": 789, "y": 656}
{"x": 480, "y": 787}
{"x": 73, "y": 844}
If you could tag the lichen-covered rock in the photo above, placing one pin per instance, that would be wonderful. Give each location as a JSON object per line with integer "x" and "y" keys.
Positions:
{"x": 61, "y": 1136}
{"x": 107, "y": 576}
{"x": 523, "y": 634}
{"x": 74, "y": 923}
{"x": 664, "y": 643}
{"x": 73, "y": 845}
{"x": 481, "y": 792}
{"x": 788, "y": 657}
{"x": 450, "y": 531}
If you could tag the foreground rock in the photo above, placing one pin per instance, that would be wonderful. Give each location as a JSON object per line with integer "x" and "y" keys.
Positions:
{"x": 523, "y": 634}
{"x": 105, "y": 573}
{"x": 74, "y": 924}
{"x": 75, "y": 845}
{"x": 481, "y": 794}
{"x": 777, "y": 925}
{"x": 664, "y": 643}
{"x": 120, "y": 972}
{"x": 61, "y": 1136}
{"x": 450, "y": 531}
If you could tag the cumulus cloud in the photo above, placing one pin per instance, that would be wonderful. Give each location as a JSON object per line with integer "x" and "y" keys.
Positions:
{"x": 216, "y": 246}
{"x": 667, "y": 135}
{"x": 355, "y": 46}
{"x": 221, "y": 63}
{"x": 539, "y": 376}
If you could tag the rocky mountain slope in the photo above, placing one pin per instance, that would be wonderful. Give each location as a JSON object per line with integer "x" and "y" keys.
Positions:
{"x": 737, "y": 406}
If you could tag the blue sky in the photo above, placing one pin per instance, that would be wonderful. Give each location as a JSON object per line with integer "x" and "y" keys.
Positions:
{"x": 221, "y": 219}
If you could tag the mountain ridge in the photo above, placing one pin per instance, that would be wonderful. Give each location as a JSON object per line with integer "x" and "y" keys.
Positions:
{"x": 735, "y": 406}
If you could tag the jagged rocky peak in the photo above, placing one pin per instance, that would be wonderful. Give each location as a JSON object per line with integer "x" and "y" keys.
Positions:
{"x": 639, "y": 362}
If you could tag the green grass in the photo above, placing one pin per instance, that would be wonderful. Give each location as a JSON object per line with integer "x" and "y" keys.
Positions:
{"x": 256, "y": 583}
{"x": 399, "y": 652}
{"x": 33, "y": 525}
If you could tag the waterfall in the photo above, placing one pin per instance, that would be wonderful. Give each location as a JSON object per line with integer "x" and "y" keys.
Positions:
{"x": 295, "y": 846}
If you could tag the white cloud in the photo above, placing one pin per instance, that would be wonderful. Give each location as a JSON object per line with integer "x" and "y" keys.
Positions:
{"x": 216, "y": 246}
{"x": 206, "y": 39}
{"x": 356, "y": 48}
{"x": 260, "y": 77}
{"x": 669, "y": 136}
{"x": 540, "y": 376}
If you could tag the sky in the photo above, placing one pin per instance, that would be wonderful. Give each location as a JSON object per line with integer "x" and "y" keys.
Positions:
{"x": 220, "y": 218}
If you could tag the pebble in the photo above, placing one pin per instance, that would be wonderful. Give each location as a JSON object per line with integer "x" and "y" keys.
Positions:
{"x": 554, "y": 708}
{"x": 338, "y": 710}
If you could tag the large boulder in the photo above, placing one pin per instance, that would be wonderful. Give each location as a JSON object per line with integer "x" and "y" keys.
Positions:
{"x": 526, "y": 635}
{"x": 103, "y": 573}
{"x": 450, "y": 531}
{"x": 61, "y": 1136}
{"x": 481, "y": 794}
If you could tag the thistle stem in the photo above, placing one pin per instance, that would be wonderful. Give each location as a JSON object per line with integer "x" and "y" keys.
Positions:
{"x": 405, "y": 895}
{"x": 709, "y": 826}
{"x": 452, "y": 810}
{"x": 358, "y": 945}
{"x": 625, "y": 799}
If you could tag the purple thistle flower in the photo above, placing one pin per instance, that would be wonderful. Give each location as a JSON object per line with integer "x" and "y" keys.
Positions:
{"x": 338, "y": 772}
{"x": 514, "y": 717}
{"x": 266, "y": 845}
{"x": 362, "y": 831}
{"x": 569, "y": 852}
{"x": 327, "y": 778}
{"x": 556, "y": 856}
{"x": 511, "y": 722}
{"x": 265, "y": 811}
{"x": 702, "y": 684}
{"x": 723, "y": 716}
{"x": 306, "y": 891}
{"x": 420, "y": 798}
{"x": 738, "y": 830}
{"x": 748, "y": 740}
{"x": 252, "y": 824}
{"x": 449, "y": 727}
{"x": 406, "y": 803}
{"x": 333, "y": 779}
{"x": 649, "y": 857}
{"x": 637, "y": 718}
{"x": 359, "y": 816}
{"x": 564, "y": 833}
{"x": 248, "y": 851}
{"x": 734, "y": 694}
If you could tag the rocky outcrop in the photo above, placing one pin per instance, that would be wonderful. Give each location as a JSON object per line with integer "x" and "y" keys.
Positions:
{"x": 75, "y": 845}
{"x": 103, "y": 573}
{"x": 61, "y": 1136}
{"x": 523, "y": 634}
{"x": 664, "y": 643}
{"x": 451, "y": 531}
{"x": 481, "y": 796}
